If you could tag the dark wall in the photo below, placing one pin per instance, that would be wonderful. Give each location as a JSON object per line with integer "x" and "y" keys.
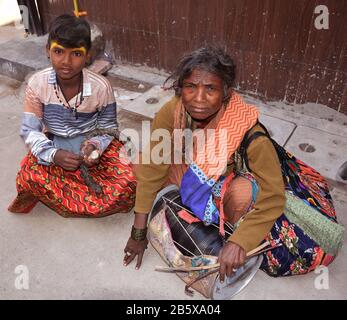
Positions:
{"x": 279, "y": 53}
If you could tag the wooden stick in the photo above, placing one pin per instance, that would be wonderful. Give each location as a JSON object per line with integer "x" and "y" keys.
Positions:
{"x": 185, "y": 269}
{"x": 190, "y": 292}
{"x": 264, "y": 250}
{"x": 252, "y": 253}
{"x": 262, "y": 246}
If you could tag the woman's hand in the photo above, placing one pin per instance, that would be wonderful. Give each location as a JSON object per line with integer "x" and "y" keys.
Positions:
{"x": 86, "y": 150}
{"x": 134, "y": 248}
{"x": 231, "y": 257}
{"x": 67, "y": 160}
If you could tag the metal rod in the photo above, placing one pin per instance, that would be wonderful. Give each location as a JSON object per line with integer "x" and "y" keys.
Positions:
{"x": 175, "y": 242}
{"x": 250, "y": 254}
{"x": 184, "y": 229}
{"x": 213, "y": 224}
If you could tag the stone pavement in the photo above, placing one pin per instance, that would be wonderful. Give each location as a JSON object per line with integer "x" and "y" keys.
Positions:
{"x": 82, "y": 258}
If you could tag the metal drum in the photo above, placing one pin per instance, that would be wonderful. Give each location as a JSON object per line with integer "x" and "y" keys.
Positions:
{"x": 197, "y": 239}
{"x": 191, "y": 239}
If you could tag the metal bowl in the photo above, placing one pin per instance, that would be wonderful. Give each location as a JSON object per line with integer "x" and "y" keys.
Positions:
{"x": 234, "y": 284}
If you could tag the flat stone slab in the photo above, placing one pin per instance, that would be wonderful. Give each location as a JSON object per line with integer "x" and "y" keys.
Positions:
{"x": 22, "y": 56}
{"x": 279, "y": 129}
{"x": 148, "y": 104}
{"x": 323, "y": 151}
{"x": 138, "y": 74}
{"x": 100, "y": 66}
{"x": 285, "y": 112}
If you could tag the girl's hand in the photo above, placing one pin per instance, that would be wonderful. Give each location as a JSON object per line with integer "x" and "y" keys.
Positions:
{"x": 90, "y": 155}
{"x": 67, "y": 160}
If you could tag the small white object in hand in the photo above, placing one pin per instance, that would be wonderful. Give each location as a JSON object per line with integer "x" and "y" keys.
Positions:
{"x": 94, "y": 155}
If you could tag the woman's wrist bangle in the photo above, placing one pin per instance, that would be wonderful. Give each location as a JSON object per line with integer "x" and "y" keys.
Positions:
{"x": 138, "y": 234}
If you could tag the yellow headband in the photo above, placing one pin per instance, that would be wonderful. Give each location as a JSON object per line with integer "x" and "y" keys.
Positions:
{"x": 55, "y": 44}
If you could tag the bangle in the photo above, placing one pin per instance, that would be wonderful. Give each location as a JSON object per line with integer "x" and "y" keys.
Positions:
{"x": 138, "y": 234}
{"x": 53, "y": 155}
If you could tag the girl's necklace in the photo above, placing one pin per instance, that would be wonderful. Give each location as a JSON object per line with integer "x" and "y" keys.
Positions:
{"x": 74, "y": 108}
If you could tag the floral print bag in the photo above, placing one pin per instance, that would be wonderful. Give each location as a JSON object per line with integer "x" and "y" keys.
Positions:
{"x": 307, "y": 190}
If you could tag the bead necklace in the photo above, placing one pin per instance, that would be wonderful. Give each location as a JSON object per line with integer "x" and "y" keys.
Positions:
{"x": 74, "y": 108}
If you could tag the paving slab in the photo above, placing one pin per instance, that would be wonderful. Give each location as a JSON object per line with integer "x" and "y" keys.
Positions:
{"x": 22, "y": 56}
{"x": 286, "y": 112}
{"x": 124, "y": 97}
{"x": 138, "y": 74}
{"x": 150, "y": 102}
{"x": 323, "y": 151}
{"x": 280, "y": 130}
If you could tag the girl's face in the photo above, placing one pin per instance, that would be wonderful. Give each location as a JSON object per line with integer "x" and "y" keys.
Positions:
{"x": 67, "y": 62}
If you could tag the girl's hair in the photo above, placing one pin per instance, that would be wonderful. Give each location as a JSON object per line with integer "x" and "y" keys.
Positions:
{"x": 70, "y": 32}
{"x": 209, "y": 58}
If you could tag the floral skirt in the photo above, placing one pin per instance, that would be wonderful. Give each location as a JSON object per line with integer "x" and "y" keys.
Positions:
{"x": 299, "y": 253}
{"x": 67, "y": 193}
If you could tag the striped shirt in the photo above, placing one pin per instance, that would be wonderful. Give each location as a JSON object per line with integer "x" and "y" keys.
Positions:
{"x": 43, "y": 112}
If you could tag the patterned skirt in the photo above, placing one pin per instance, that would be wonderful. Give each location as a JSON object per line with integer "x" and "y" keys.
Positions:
{"x": 67, "y": 193}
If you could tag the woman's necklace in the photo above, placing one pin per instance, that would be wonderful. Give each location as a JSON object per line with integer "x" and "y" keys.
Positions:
{"x": 74, "y": 108}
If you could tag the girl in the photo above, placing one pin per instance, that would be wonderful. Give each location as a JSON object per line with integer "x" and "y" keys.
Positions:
{"x": 69, "y": 124}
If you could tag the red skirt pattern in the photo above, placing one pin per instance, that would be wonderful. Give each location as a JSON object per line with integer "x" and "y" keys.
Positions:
{"x": 67, "y": 193}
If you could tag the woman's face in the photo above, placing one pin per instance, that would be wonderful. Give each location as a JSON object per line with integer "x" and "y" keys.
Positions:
{"x": 202, "y": 94}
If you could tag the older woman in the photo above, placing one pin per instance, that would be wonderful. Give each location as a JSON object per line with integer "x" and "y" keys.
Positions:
{"x": 254, "y": 199}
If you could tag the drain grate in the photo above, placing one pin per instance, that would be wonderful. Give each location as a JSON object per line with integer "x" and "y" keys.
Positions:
{"x": 306, "y": 147}
{"x": 152, "y": 100}
{"x": 342, "y": 172}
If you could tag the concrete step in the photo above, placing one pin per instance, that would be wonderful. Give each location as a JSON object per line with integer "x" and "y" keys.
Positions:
{"x": 149, "y": 103}
{"x": 20, "y": 57}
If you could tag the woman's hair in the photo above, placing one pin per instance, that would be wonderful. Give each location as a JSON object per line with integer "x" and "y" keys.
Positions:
{"x": 209, "y": 58}
{"x": 70, "y": 32}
